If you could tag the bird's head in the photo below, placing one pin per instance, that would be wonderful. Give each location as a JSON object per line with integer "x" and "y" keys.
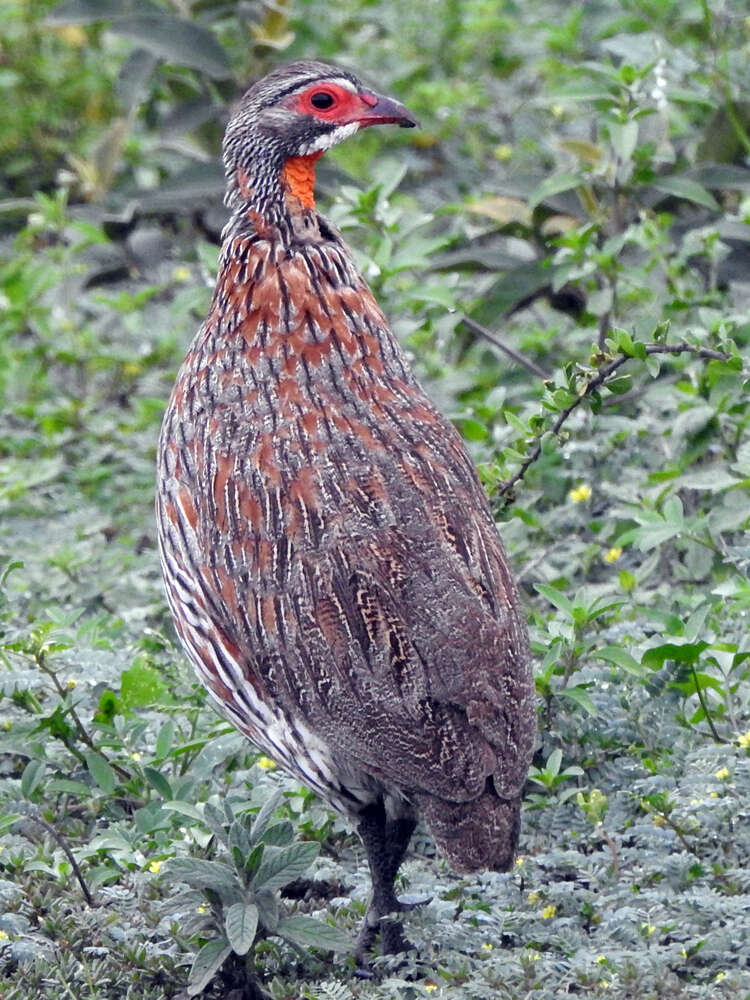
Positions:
{"x": 287, "y": 120}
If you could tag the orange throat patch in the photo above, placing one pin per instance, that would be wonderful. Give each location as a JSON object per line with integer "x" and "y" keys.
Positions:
{"x": 298, "y": 178}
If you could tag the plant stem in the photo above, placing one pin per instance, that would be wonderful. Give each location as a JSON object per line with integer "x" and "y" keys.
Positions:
{"x": 506, "y": 489}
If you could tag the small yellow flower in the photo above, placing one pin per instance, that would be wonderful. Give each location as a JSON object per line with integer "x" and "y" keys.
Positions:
{"x": 601, "y": 959}
{"x": 580, "y": 494}
{"x": 201, "y": 909}
{"x": 71, "y": 683}
{"x": 155, "y": 867}
{"x": 684, "y": 953}
{"x": 181, "y": 274}
{"x": 3, "y": 936}
{"x": 713, "y": 795}
{"x": 722, "y": 774}
{"x": 613, "y": 554}
{"x": 744, "y": 740}
{"x": 534, "y": 897}
{"x": 548, "y": 912}
{"x": 266, "y": 763}
{"x": 648, "y": 929}
{"x": 605, "y": 984}
{"x": 430, "y": 987}
{"x": 135, "y": 756}
{"x": 532, "y": 956}
{"x": 72, "y": 35}
{"x": 720, "y": 976}
{"x": 487, "y": 946}
{"x": 503, "y": 152}
{"x": 520, "y": 860}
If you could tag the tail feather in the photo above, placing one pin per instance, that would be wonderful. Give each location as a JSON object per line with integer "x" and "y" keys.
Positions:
{"x": 478, "y": 835}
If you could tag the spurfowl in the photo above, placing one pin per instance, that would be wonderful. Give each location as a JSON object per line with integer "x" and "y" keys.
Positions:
{"x": 330, "y": 558}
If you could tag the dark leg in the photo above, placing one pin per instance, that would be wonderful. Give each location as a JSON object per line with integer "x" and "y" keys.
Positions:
{"x": 385, "y": 842}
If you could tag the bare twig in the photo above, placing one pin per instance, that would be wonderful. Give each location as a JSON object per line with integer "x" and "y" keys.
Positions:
{"x": 506, "y": 489}
{"x": 482, "y": 331}
{"x": 68, "y": 854}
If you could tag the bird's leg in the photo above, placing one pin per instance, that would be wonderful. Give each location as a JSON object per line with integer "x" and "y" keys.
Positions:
{"x": 385, "y": 842}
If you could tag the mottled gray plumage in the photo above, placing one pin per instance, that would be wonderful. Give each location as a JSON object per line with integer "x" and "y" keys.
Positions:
{"x": 330, "y": 557}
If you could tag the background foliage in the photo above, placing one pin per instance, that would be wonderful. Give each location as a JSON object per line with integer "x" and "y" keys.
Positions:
{"x": 580, "y": 192}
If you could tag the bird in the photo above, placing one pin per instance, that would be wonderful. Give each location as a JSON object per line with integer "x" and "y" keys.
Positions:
{"x": 330, "y": 558}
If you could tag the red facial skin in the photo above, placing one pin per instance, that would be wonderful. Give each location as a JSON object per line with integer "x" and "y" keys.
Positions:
{"x": 364, "y": 107}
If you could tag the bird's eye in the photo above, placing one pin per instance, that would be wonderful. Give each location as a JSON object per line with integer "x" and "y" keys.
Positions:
{"x": 322, "y": 101}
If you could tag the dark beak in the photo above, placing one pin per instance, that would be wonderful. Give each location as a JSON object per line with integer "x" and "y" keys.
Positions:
{"x": 377, "y": 110}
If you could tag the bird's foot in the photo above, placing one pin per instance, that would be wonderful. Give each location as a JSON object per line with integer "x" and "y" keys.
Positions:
{"x": 382, "y": 919}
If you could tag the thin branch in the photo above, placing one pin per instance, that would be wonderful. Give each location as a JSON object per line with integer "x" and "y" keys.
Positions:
{"x": 68, "y": 854}
{"x": 482, "y": 331}
{"x": 506, "y": 488}
{"x": 704, "y": 706}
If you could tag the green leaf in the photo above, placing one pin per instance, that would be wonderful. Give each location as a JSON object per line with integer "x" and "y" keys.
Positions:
{"x": 279, "y": 835}
{"x": 265, "y": 814}
{"x": 307, "y": 932}
{"x": 241, "y": 924}
{"x": 157, "y": 781}
{"x": 101, "y": 771}
{"x": 687, "y": 189}
{"x": 31, "y": 777}
{"x": 622, "y": 658}
{"x": 91, "y": 11}
{"x": 554, "y": 185}
{"x": 555, "y": 597}
{"x": 164, "y": 740}
{"x": 284, "y": 865}
{"x": 176, "y": 40}
{"x": 203, "y": 874}
{"x": 580, "y": 696}
{"x": 184, "y": 809}
{"x": 141, "y": 685}
{"x": 624, "y": 138}
{"x": 687, "y": 652}
{"x": 207, "y": 963}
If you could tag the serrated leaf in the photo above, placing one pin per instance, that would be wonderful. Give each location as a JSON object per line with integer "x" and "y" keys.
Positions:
{"x": 307, "y": 932}
{"x": 101, "y": 771}
{"x": 207, "y": 963}
{"x": 284, "y": 865}
{"x": 241, "y": 924}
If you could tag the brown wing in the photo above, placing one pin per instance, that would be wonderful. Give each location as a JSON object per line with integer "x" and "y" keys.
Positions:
{"x": 337, "y": 537}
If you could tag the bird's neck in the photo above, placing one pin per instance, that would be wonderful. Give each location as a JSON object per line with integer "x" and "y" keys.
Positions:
{"x": 275, "y": 198}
